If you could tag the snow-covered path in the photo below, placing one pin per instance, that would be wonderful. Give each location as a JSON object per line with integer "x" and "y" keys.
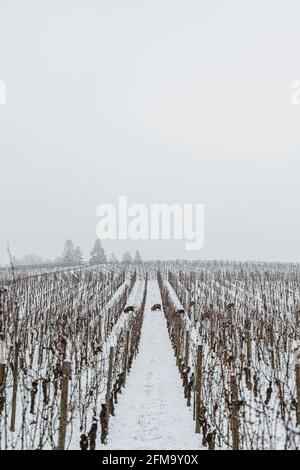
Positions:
{"x": 151, "y": 412}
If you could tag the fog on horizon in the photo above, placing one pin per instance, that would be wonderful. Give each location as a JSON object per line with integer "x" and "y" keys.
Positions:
{"x": 162, "y": 101}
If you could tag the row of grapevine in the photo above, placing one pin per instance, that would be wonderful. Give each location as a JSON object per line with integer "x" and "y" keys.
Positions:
{"x": 65, "y": 349}
{"x": 235, "y": 332}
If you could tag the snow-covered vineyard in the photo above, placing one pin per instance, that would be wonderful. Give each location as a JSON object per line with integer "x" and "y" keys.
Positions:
{"x": 151, "y": 356}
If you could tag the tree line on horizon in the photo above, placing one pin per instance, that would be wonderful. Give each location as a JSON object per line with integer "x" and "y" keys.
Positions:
{"x": 72, "y": 255}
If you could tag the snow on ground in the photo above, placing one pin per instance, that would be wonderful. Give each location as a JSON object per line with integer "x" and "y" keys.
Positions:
{"x": 151, "y": 412}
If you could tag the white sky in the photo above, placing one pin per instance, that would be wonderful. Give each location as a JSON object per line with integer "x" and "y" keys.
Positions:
{"x": 161, "y": 100}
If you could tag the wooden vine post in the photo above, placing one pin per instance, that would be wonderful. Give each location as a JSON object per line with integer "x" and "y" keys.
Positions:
{"x": 198, "y": 387}
{"x": 2, "y": 375}
{"x": 15, "y": 371}
{"x": 297, "y": 372}
{"x": 187, "y": 348}
{"x": 178, "y": 335}
{"x": 125, "y": 366}
{"x": 109, "y": 382}
{"x": 234, "y": 413}
{"x": 2, "y": 371}
{"x": 15, "y": 388}
{"x": 64, "y": 405}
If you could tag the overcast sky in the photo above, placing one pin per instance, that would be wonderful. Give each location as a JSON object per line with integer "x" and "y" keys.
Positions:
{"x": 160, "y": 100}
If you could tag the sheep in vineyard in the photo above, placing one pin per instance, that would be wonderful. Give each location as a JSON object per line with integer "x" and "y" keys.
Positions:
{"x": 128, "y": 309}
{"x": 155, "y": 307}
{"x": 180, "y": 311}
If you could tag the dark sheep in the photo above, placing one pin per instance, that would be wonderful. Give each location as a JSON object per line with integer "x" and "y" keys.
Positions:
{"x": 128, "y": 309}
{"x": 180, "y": 311}
{"x": 156, "y": 307}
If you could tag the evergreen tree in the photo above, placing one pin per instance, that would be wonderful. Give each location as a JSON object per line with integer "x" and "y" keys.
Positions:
{"x": 68, "y": 253}
{"x": 78, "y": 257}
{"x": 137, "y": 258}
{"x": 127, "y": 258}
{"x": 113, "y": 259}
{"x": 98, "y": 254}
